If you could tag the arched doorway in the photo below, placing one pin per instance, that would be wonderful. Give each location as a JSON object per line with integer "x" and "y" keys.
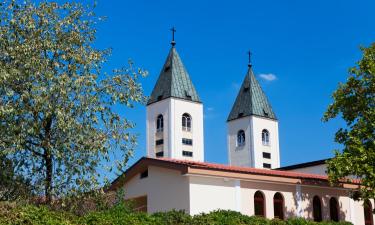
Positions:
{"x": 334, "y": 209}
{"x": 259, "y": 206}
{"x": 278, "y": 206}
{"x": 317, "y": 209}
{"x": 367, "y": 207}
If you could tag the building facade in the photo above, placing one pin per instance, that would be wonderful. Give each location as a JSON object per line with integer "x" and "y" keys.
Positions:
{"x": 175, "y": 176}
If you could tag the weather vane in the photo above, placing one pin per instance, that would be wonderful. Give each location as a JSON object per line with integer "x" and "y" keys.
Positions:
{"x": 173, "y": 43}
{"x": 249, "y": 54}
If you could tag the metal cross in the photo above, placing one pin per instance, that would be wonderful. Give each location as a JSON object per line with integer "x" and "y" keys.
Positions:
{"x": 249, "y": 53}
{"x": 173, "y": 43}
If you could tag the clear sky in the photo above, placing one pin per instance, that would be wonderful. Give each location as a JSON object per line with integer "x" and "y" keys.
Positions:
{"x": 307, "y": 46}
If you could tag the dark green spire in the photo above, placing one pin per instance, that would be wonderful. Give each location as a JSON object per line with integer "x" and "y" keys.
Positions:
{"x": 173, "y": 81}
{"x": 251, "y": 100}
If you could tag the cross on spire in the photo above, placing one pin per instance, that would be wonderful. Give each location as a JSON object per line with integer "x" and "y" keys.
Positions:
{"x": 249, "y": 54}
{"x": 173, "y": 29}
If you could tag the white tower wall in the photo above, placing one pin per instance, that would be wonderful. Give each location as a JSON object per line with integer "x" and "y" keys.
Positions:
{"x": 172, "y": 110}
{"x": 251, "y": 153}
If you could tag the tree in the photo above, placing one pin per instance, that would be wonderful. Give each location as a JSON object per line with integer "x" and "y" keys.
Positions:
{"x": 354, "y": 101}
{"x": 12, "y": 186}
{"x": 57, "y": 117}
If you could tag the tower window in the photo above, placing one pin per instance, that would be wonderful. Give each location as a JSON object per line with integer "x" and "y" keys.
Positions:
{"x": 159, "y": 142}
{"x": 160, "y": 97}
{"x": 187, "y": 141}
{"x": 186, "y": 122}
{"x": 240, "y": 138}
{"x": 266, "y": 165}
{"x": 265, "y": 137}
{"x": 159, "y": 123}
{"x": 188, "y": 95}
{"x": 266, "y": 155}
{"x": 187, "y": 153}
{"x": 159, "y": 154}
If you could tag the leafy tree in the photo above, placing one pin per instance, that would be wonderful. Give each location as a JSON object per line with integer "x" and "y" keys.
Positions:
{"x": 354, "y": 101}
{"x": 57, "y": 117}
{"x": 12, "y": 186}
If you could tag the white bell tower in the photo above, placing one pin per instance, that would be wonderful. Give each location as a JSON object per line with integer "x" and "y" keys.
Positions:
{"x": 175, "y": 114}
{"x": 253, "y": 133}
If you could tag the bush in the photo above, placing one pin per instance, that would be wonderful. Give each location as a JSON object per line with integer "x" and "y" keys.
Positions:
{"x": 123, "y": 214}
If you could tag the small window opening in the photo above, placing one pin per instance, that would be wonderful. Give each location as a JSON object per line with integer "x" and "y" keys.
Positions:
{"x": 159, "y": 142}
{"x": 167, "y": 68}
{"x": 160, "y": 97}
{"x": 240, "y": 114}
{"x": 144, "y": 174}
{"x": 266, "y": 155}
{"x": 159, "y": 154}
{"x": 187, "y": 153}
{"x": 186, "y": 122}
{"x": 187, "y": 141}
{"x": 241, "y": 138}
{"x": 266, "y": 165}
{"x": 246, "y": 89}
{"x": 265, "y": 112}
{"x": 265, "y": 137}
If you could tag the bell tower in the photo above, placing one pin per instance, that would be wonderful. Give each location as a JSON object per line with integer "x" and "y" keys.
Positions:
{"x": 253, "y": 133}
{"x": 175, "y": 113}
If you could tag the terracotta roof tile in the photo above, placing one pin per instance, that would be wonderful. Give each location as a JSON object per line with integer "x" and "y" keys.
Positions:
{"x": 221, "y": 167}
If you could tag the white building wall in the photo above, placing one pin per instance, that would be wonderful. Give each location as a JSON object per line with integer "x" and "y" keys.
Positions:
{"x": 239, "y": 155}
{"x": 165, "y": 190}
{"x": 172, "y": 110}
{"x": 258, "y": 124}
{"x": 251, "y": 154}
{"x": 212, "y": 193}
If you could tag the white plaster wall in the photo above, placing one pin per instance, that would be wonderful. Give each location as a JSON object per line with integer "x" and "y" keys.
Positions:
{"x": 178, "y": 108}
{"x": 318, "y": 169}
{"x": 172, "y": 110}
{"x": 251, "y": 154}
{"x": 209, "y": 193}
{"x": 239, "y": 156}
{"x": 269, "y": 190}
{"x": 152, "y": 112}
{"x": 165, "y": 189}
{"x": 258, "y": 124}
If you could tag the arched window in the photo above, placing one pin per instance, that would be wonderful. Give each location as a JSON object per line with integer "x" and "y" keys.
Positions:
{"x": 278, "y": 206}
{"x": 317, "y": 209}
{"x": 259, "y": 204}
{"x": 240, "y": 138}
{"x": 159, "y": 123}
{"x": 265, "y": 137}
{"x": 334, "y": 209}
{"x": 368, "y": 213}
{"x": 186, "y": 122}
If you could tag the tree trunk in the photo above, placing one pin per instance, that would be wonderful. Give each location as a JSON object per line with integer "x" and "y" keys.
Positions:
{"x": 48, "y": 180}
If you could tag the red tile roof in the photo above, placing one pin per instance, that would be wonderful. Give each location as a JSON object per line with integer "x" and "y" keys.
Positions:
{"x": 249, "y": 170}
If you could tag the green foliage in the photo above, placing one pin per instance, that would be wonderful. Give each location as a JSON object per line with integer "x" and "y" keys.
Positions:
{"x": 354, "y": 101}
{"x": 123, "y": 214}
{"x": 57, "y": 122}
{"x": 12, "y": 186}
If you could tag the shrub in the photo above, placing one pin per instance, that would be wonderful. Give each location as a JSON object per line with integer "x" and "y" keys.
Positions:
{"x": 122, "y": 214}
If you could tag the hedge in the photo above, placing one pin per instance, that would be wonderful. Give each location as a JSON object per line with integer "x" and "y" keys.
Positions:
{"x": 122, "y": 214}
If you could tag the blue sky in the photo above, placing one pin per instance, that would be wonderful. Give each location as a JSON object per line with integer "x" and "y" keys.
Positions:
{"x": 306, "y": 45}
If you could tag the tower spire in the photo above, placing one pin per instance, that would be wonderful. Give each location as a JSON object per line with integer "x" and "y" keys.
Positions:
{"x": 249, "y": 54}
{"x": 173, "y": 29}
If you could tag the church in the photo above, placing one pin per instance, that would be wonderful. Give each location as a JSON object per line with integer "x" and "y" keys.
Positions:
{"x": 174, "y": 174}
